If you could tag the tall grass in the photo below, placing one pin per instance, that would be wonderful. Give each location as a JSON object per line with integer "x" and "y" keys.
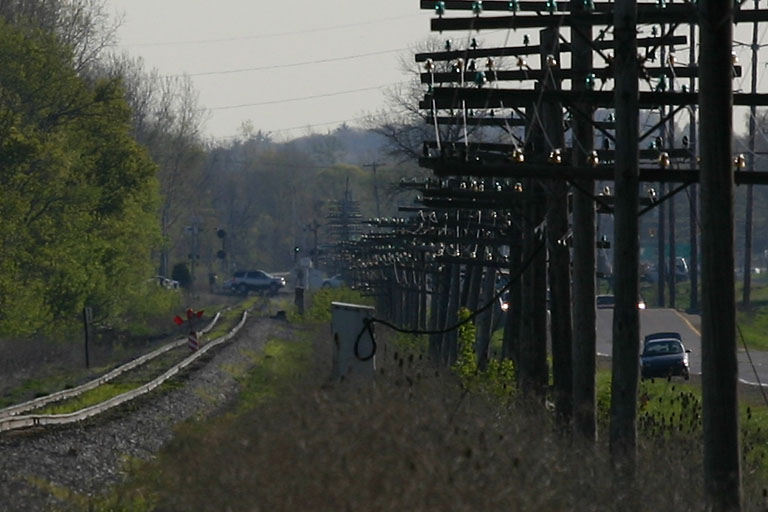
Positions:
{"x": 414, "y": 441}
{"x": 421, "y": 439}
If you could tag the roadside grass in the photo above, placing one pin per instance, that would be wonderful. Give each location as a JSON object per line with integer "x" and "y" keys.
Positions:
{"x": 281, "y": 363}
{"x": 670, "y": 411}
{"x": 319, "y": 309}
{"x": 753, "y": 324}
{"x": 417, "y": 440}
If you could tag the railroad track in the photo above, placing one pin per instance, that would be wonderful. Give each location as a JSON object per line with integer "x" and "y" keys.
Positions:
{"x": 142, "y": 375}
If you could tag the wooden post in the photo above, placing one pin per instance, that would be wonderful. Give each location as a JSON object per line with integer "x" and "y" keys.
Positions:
{"x": 626, "y": 325}
{"x": 512, "y": 318}
{"x": 484, "y": 319}
{"x": 583, "y": 225}
{"x": 559, "y": 270}
{"x": 532, "y": 370}
{"x": 722, "y": 468}
{"x": 661, "y": 245}
{"x": 425, "y": 302}
{"x": 473, "y": 282}
{"x": 298, "y": 300}
{"x": 747, "y": 288}
{"x": 670, "y": 141}
{"x": 440, "y": 307}
{"x": 450, "y": 339}
{"x": 693, "y": 207}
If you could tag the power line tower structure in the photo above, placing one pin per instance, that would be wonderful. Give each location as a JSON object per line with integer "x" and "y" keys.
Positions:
{"x": 616, "y": 71}
{"x": 344, "y": 224}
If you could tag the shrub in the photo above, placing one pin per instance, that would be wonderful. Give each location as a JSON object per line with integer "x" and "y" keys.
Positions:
{"x": 181, "y": 274}
{"x": 320, "y": 308}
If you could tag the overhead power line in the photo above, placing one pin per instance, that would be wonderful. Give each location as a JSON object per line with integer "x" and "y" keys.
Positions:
{"x": 297, "y": 127}
{"x": 275, "y": 34}
{"x": 302, "y": 98}
{"x": 293, "y": 64}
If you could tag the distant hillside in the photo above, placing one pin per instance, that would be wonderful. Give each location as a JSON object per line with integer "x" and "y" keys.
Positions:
{"x": 355, "y": 146}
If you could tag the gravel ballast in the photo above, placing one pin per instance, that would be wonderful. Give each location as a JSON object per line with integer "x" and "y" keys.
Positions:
{"x": 88, "y": 457}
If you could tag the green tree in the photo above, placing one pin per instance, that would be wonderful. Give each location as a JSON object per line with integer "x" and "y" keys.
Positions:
{"x": 77, "y": 194}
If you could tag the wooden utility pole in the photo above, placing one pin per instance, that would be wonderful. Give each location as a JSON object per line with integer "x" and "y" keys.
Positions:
{"x": 670, "y": 141}
{"x": 559, "y": 271}
{"x": 484, "y": 319}
{"x": 722, "y": 469}
{"x": 450, "y": 339}
{"x": 747, "y": 289}
{"x": 668, "y": 138}
{"x": 661, "y": 259}
{"x": 693, "y": 207}
{"x": 513, "y": 317}
{"x": 583, "y": 225}
{"x": 626, "y": 325}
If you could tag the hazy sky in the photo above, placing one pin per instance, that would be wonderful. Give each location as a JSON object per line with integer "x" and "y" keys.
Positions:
{"x": 290, "y": 67}
{"x": 273, "y": 56}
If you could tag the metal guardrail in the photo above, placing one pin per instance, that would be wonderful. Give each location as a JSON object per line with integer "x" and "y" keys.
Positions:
{"x": 42, "y": 401}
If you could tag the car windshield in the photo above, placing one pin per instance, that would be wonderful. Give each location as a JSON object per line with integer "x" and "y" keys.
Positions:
{"x": 657, "y": 348}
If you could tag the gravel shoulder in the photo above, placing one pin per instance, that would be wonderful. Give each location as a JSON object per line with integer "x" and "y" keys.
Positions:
{"x": 86, "y": 458}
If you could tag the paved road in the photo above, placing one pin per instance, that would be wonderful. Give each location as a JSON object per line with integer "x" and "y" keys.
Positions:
{"x": 655, "y": 320}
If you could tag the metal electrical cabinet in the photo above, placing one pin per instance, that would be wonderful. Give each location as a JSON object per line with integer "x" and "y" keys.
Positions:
{"x": 354, "y": 348}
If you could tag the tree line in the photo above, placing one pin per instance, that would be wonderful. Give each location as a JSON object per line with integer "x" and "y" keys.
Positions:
{"x": 106, "y": 177}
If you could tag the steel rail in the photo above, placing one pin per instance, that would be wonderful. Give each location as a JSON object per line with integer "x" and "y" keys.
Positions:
{"x": 17, "y": 422}
{"x": 65, "y": 394}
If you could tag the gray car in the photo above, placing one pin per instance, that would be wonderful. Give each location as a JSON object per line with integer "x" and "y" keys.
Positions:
{"x": 246, "y": 281}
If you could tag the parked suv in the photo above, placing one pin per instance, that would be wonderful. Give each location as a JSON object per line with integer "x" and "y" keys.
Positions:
{"x": 246, "y": 281}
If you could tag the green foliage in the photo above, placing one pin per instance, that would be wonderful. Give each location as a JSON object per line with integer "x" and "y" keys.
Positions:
{"x": 77, "y": 194}
{"x": 282, "y": 363}
{"x": 671, "y": 411}
{"x": 320, "y": 309}
{"x": 150, "y": 305}
{"x": 498, "y": 378}
{"x": 603, "y": 384}
{"x": 181, "y": 274}
{"x": 668, "y": 409}
{"x": 410, "y": 343}
{"x": 753, "y": 324}
{"x": 91, "y": 397}
{"x": 465, "y": 366}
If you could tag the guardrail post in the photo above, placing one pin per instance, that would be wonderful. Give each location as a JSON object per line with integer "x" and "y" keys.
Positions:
{"x": 354, "y": 348}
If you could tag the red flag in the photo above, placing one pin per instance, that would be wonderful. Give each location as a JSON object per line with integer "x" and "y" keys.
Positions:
{"x": 190, "y": 314}
{"x": 178, "y": 320}
{"x": 200, "y": 314}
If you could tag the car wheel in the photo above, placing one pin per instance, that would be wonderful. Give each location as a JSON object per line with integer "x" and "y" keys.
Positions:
{"x": 242, "y": 289}
{"x": 273, "y": 289}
